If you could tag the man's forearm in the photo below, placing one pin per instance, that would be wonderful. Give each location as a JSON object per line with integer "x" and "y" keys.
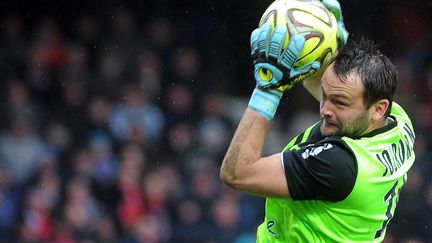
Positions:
{"x": 313, "y": 83}
{"x": 245, "y": 148}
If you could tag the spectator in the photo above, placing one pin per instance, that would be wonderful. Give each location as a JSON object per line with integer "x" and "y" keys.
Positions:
{"x": 9, "y": 198}
{"x": 20, "y": 149}
{"x": 134, "y": 119}
{"x": 81, "y": 211}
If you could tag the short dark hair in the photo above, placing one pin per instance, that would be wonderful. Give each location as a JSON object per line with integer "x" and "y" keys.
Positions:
{"x": 377, "y": 72}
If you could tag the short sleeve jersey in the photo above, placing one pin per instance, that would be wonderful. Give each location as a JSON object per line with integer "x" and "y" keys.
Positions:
{"x": 323, "y": 169}
{"x": 342, "y": 189}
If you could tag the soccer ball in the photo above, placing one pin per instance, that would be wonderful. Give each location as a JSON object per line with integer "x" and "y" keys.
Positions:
{"x": 311, "y": 18}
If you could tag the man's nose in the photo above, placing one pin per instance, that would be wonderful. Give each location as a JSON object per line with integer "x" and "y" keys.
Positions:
{"x": 325, "y": 110}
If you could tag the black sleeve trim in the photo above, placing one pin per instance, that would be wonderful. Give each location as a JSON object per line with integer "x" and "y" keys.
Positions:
{"x": 326, "y": 170}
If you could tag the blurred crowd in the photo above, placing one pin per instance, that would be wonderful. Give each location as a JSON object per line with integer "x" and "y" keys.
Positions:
{"x": 113, "y": 126}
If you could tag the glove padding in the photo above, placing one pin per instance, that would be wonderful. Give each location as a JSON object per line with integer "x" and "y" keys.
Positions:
{"x": 273, "y": 65}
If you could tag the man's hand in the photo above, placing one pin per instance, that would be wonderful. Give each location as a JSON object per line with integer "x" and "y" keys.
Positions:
{"x": 274, "y": 69}
{"x": 274, "y": 65}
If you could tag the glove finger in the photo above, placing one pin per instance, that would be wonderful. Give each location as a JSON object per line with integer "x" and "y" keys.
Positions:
{"x": 263, "y": 38}
{"x": 290, "y": 55}
{"x": 334, "y": 7}
{"x": 277, "y": 41}
{"x": 342, "y": 34}
{"x": 254, "y": 43}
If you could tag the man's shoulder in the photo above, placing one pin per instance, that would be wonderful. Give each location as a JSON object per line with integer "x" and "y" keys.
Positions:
{"x": 399, "y": 112}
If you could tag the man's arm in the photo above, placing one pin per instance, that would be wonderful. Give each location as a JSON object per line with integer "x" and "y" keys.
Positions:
{"x": 244, "y": 169}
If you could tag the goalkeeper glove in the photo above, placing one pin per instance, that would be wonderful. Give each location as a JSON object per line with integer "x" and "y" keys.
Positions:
{"x": 274, "y": 69}
{"x": 274, "y": 66}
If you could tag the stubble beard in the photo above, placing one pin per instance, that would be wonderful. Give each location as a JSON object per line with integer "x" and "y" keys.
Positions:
{"x": 353, "y": 128}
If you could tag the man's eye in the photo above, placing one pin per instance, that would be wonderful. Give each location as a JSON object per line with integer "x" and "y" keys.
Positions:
{"x": 341, "y": 104}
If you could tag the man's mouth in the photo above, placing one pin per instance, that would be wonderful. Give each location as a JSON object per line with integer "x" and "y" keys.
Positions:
{"x": 331, "y": 124}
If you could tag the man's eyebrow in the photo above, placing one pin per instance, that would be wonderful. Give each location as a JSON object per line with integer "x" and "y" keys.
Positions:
{"x": 339, "y": 96}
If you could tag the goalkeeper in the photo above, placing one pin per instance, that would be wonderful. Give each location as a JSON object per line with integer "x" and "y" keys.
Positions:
{"x": 340, "y": 179}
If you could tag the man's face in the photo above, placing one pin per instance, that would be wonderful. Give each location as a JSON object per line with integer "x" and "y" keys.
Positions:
{"x": 342, "y": 108}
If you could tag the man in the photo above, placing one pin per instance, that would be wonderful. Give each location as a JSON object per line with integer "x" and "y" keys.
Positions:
{"x": 339, "y": 180}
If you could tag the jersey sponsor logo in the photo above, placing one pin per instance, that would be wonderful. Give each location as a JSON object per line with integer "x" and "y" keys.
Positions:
{"x": 316, "y": 150}
{"x": 397, "y": 153}
{"x": 270, "y": 224}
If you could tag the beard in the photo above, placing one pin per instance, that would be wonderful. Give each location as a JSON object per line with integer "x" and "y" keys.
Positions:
{"x": 351, "y": 127}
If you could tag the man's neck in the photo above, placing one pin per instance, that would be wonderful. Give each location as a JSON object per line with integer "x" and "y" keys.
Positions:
{"x": 379, "y": 124}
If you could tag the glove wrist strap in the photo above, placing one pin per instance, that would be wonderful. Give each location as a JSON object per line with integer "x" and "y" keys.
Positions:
{"x": 265, "y": 102}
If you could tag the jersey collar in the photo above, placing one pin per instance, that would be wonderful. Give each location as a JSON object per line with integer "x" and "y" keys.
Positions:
{"x": 383, "y": 129}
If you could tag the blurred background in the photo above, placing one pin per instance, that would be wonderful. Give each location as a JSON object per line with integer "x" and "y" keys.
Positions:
{"x": 115, "y": 116}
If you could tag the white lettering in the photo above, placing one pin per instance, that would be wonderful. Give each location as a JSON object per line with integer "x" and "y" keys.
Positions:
{"x": 316, "y": 150}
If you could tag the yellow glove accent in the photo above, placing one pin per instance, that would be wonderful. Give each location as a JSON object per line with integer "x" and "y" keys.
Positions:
{"x": 265, "y": 74}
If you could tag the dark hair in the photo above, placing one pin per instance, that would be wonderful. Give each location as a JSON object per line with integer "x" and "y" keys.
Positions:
{"x": 377, "y": 72}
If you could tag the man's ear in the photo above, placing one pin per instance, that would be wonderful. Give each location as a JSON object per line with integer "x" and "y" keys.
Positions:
{"x": 379, "y": 109}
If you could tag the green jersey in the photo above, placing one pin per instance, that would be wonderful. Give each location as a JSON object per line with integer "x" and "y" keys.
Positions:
{"x": 331, "y": 210}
